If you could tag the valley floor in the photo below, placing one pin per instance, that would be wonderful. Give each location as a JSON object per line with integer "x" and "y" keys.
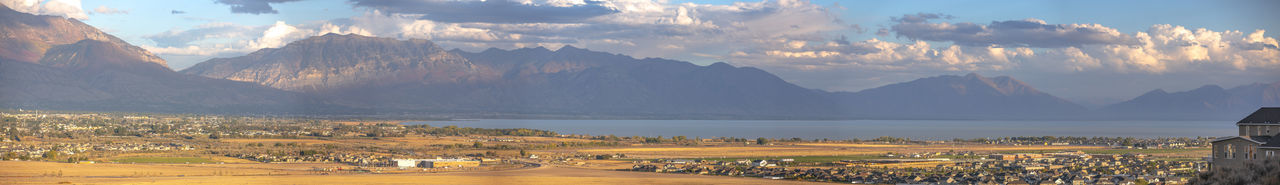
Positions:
{"x": 23, "y": 172}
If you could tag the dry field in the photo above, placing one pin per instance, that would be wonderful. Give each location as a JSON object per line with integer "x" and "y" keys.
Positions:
{"x": 23, "y": 169}
{"x": 183, "y": 154}
{"x": 270, "y": 141}
{"x": 853, "y": 145}
{"x": 30, "y": 173}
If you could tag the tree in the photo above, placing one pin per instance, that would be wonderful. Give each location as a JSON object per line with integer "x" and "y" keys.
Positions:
{"x": 762, "y": 141}
{"x": 477, "y": 145}
{"x": 50, "y": 154}
{"x": 523, "y": 153}
{"x": 1254, "y": 172}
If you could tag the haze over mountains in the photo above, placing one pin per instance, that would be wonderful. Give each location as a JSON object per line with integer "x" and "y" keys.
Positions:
{"x": 1199, "y": 103}
{"x": 971, "y": 96}
{"x": 77, "y": 67}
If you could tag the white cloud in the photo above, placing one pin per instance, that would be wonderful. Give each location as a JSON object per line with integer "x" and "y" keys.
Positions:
{"x": 64, "y": 8}
{"x": 278, "y": 35}
{"x": 330, "y": 28}
{"x": 103, "y": 9}
{"x": 1158, "y": 50}
{"x": 24, "y": 6}
{"x": 643, "y": 28}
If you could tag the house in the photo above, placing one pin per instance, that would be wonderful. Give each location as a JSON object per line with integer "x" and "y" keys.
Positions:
{"x": 760, "y": 163}
{"x": 1259, "y": 138}
{"x": 682, "y": 161}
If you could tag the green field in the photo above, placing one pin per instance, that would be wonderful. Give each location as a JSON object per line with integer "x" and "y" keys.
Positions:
{"x": 164, "y": 160}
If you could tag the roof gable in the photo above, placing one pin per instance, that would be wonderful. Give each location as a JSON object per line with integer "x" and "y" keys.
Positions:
{"x": 1235, "y": 137}
{"x": 1263, "y": 115}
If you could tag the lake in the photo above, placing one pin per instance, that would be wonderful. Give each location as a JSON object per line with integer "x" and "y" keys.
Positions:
{"x": 861, "y": 129}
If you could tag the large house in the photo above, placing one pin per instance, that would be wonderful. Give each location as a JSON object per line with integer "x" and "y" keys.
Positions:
{"x": 1259, "y": 139}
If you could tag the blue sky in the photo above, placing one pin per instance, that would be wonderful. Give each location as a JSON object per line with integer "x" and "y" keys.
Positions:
{"x": 1093, "y": 52}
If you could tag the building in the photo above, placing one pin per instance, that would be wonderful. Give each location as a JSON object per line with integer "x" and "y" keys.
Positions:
{"x": 760, "y": 163}
{"x": 1007, "y": 157}
{"x": 447, "y": 163}
{"x": 405, "y": 163}
{"x": 1259, "y": 138}
{"x": 435, "y": 163}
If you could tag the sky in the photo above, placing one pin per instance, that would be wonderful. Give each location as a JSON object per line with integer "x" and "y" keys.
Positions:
{"x": 1091, "y": 52}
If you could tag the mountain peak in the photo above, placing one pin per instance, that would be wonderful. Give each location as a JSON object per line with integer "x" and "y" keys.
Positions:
{"x": 336, "y": 61}
{"x": 974, "y": 75}
{"x": 720, "y": 65}
{"x": 1209, "y": 88}
{"x": 569, "y": 48}
{"x": 95, "y": 53}
{"x": 41, "y": 32}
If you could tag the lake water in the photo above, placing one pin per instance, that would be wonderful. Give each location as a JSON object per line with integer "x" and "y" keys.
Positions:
{"x": 862, "y": 129}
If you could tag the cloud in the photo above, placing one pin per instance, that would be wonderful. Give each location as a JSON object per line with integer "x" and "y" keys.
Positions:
{"x": 25, "y": 6}
{"x": 217, "y": 30}
{"x": 920, "y": 17}
{"x": 221, "y": 38}
{"x": 278, "y": 35}
{"x": 253, "y": 6}
{"x": 64, "y": 8}
{"x": 1023, "y": 33}
{"x": 1161, "y": 49}
{"x": 641, "y": 28}
{"x": 103, "y": 9}
{"x": 493, "y": 11}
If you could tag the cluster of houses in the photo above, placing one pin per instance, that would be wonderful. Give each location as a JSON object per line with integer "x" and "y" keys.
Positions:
{"x": 1061, "y": 167}
{"x": 352, "y": 159}
{"x": 19, "y": 150}
{"x": 1118, "y": 142}
{"x": 1258, "y": 139}
{"x": 360, "y": 160}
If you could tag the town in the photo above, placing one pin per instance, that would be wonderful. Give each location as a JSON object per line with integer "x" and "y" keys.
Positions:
{"x": 386, "y": 147}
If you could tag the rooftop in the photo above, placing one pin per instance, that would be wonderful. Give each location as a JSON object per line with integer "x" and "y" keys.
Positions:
{"x": 1274, "y": 141}
{"x": 1269, "y": 115}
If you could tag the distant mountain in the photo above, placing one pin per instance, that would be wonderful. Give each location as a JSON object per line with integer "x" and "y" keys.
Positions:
{"x": 418, "y": 76}
{"x": 959, "y": 97}
{"x": 1207, "y": 102}
{"x": 49, "y": 62}
{"x": 101, "y": 73}
{"x": 336, "y": 61}
{"x": 27, "y": 37}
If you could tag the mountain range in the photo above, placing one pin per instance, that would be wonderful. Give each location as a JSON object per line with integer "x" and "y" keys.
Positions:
{"x": 414, "y": 75}
{"x": 1209, "y": 101}
{"x": 49, "y": 62}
